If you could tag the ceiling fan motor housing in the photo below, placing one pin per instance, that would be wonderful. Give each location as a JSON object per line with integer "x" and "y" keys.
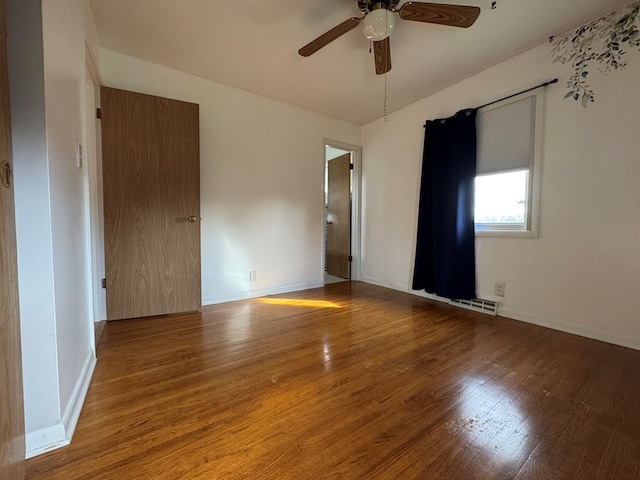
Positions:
{"x": 367, "y": 6}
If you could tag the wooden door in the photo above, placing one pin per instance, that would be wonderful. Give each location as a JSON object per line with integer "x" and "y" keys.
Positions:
{"x": 339, "y": 216}
{"x": 12, "y": 447}
{"x": 151, "y": 176}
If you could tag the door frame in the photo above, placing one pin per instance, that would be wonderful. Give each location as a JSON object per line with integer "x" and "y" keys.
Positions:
{"x": 356, "y": 210}
{"x": 12, "y": 433}
{"x": 93, "y": 160}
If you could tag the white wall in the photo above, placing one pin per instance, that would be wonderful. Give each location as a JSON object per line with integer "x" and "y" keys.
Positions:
{"x": 48, "y": 99}
{"x": 33, "y": 221}
{"x": 582, "y": 274}
{"x": 64, "y": 74}
{"x": 262, "y": 180}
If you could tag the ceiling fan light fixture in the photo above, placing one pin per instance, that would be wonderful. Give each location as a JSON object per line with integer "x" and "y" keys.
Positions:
{"x": 378, "y": 24}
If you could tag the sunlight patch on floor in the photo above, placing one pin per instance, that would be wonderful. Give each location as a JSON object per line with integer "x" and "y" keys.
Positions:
{"x": 300, "y": 303}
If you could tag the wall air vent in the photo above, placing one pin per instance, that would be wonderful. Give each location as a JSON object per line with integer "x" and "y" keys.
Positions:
{"x": 477, "y": 305}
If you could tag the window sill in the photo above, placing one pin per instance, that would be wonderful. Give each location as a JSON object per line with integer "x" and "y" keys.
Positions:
{"x": 507, "y": 233}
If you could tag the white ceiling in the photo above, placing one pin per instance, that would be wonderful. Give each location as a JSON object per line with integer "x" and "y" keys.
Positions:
{"x": 252, "y": 45}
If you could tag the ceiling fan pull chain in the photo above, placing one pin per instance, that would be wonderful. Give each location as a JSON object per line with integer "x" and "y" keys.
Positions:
{"x": 386, "y": 117}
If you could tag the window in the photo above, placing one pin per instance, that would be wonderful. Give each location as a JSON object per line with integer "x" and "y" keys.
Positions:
{"x": 508, "y": 168}
{"x": 501, "y": 199}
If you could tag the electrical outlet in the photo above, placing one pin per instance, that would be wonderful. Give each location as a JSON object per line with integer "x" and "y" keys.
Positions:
{"x": 253, "y": 276}
{"x": 499, "y": 289}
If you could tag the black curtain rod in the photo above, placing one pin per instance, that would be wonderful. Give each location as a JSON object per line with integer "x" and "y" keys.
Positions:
{"x": 555, "y": 80}
{"x": 550, "y": 82}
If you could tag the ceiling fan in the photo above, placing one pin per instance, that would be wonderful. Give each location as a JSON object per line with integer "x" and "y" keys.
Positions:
{"x": 378, "y": 21}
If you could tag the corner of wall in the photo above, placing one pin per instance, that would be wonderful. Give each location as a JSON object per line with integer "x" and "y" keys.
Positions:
{"x": 45, "y": 439}
{"x": 60, "y": 434}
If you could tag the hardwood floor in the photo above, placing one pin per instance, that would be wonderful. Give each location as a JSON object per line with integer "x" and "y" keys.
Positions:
{"x": 352, "y": 381}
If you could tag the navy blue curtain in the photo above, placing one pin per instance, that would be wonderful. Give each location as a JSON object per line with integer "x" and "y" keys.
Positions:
{"x": 445, "y": 250}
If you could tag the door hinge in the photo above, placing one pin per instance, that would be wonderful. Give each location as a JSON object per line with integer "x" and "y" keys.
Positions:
{"x": 350, "y": 258}
{"x": 351, "y": 166}
{"x": 99, "y": 113}
{"x": 104, "y": 283}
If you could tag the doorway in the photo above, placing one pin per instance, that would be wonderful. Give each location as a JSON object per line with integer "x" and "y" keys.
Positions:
{"x": 341, "y": 252}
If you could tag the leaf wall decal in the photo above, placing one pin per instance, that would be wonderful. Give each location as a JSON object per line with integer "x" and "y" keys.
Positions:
{"x": 601, "y": 42}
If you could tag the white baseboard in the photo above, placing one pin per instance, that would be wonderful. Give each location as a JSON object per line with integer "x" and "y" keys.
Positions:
{"x": 45, "y": 439}
{"x": 402, "y": 288}
{"x": 260, "y": 293}
{"x": 535, "y": 319}
{"x": 568, "y": 327}
{"x": 72, "y": 411}
{"x": 60, "y": 434}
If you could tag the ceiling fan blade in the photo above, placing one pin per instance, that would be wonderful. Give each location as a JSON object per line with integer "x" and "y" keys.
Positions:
{"x": 382, "y": 55}
{"x": 329, "y": 37}
{"x": 440, "y": 13}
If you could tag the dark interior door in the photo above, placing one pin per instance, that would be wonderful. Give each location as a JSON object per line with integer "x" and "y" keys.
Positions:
{"x": 339, "y": 216}
{"x": 151, "y": 175}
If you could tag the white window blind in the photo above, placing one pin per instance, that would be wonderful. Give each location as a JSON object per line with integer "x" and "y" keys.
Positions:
{"x": 506, "y": 136}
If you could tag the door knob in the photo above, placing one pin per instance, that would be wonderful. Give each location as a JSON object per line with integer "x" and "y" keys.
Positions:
{"x": 192, "y": 218}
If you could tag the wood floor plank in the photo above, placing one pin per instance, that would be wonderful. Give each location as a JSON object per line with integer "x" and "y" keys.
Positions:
{"x": 352, "y": 381}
